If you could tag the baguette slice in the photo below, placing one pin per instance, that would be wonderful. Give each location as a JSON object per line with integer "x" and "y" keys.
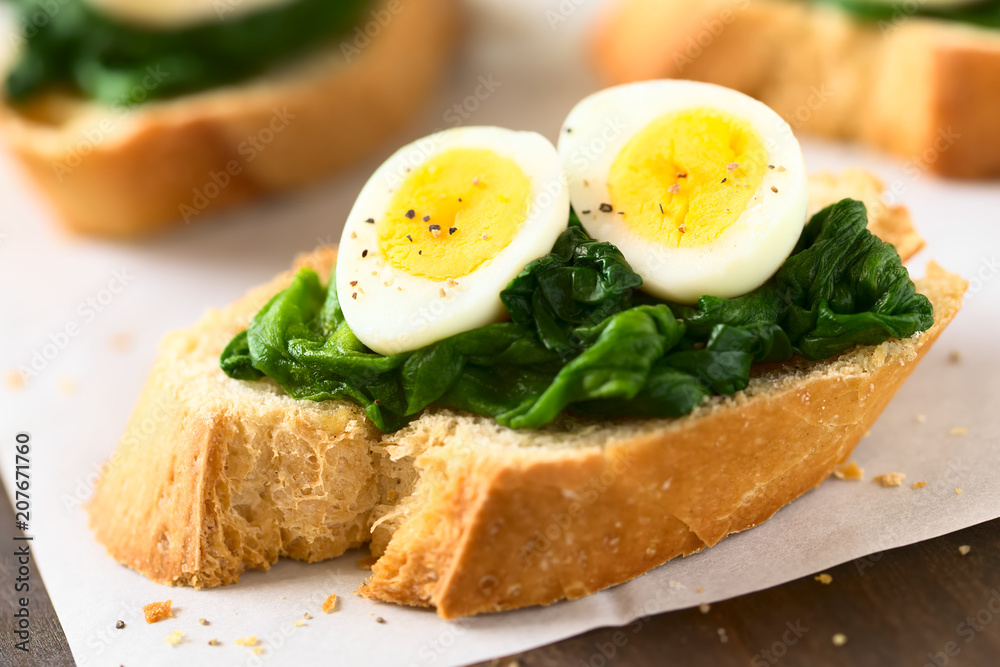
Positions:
{"x": 215, "y": 476}
{"x": 117, "y": 171}
{"x": 927, "y": 90}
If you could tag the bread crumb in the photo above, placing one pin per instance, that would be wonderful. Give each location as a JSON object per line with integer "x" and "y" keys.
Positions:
{"x": 722, "y": 636}
{"x": 307, "y": 616}
{"x": 823, "y": 578}
{"x": 701, "y": 590}
{"x": 959, "y": 430}
{"x": 175, "y": 638}
{"x": 67, "y": 386}
{"x": 955, "y": 356}
{"x": 330, "y": 604}
{"x": 851, "y": 471}
{"x": 958, "y": 492}
{"x": 202, "y": 621}
{"x": 704, "y": 608}
{"x": 157, "y": 611}
{"x": 259, "y": 650}
{"x": 379, "y": 619}
{"x": 839, "y": 639}
{"x": 921, "y": 419}
{"x": 121, "y": 341}
{"x": 366, "y": 562}
{"x": 891, "y": 479}
{"x": 247, "y": 641}
{"x": 213, "y": 642}
{"x": 14, "y": 380}
{"x": 299, "y": 622}
{"x": 919, "y": 485}
{"x": 868, "y": 433}
{"x": 964, "y": 549}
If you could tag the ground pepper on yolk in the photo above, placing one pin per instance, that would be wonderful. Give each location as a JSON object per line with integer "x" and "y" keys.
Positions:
{"x": 454, "y": 213}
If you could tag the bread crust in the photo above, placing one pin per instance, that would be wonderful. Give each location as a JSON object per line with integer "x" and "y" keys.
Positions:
{"x": 465, "y": 515}
{"x": 927, "y": 90}
{"x": 119, "y": 172}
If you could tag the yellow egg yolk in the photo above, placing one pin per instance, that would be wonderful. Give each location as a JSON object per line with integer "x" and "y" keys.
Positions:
{"x": 454, "y": 213}
{"x": 686, "y": 177}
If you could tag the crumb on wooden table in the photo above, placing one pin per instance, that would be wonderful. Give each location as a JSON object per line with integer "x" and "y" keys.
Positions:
{"x": 157, "y": 611}
{"x": 851, "y": 471}
{"x": 839, "y": 639}
{"x": 823, "y": 578}
{"x": 330, "y": 604}
{"x": 175, "y": 638}
{"x": 891, "y": 479}
{"x": 704, "y": 608}
{"x": 964, "y": 549}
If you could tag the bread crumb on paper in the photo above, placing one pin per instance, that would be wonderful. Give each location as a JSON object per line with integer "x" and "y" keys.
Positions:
{"x": 202, "y": 621}
{"x": 299, "y": 622}
{"x": 959, "y": 430}
{"x": 958, "y": 492}
{"x": 921, "y": 419}
{"x": 823, "y": 578}
{"x": 919, "y": 485}
{"x": 66, "y": 386}
{"x": 14, "y": 380}
{"x": 259, "y": 650}
{"x": 839, "y": 639}
{"x": 121, "y": 341}
{"x": 175, "y": 638}
{"x": 704, "y": 608}
{"x": 722, "y": 636}
{"x": 307, "y": 616}
{"x": 246, "y": 641}
{"x": 157, "y": 611}
{"x": 850, "y": 471}
{"x": 213, "y": 642}
{"x": 891, "y": 479}
{"x": 964, "y": 549}
{"x": 330, "y": 604}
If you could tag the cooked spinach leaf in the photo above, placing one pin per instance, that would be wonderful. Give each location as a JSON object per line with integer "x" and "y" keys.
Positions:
{"x": 72, "y": 45}
{"x": 581, "y": 339}
{"x": 985, "y": 13}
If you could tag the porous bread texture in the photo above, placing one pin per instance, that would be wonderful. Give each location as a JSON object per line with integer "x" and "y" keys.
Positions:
{"x": 925, "y": 89}
{"x": 215, "y": 476}
{"x": 117, "y": 171}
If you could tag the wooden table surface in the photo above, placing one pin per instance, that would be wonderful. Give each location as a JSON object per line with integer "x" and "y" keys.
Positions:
{"x": 910, "y": 606}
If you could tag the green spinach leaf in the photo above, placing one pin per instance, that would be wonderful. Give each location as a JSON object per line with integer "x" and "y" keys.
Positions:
{"x": 582, "y": 339}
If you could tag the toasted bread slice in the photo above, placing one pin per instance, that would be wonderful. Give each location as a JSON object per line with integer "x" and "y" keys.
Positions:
{"x": 928, "y": 90}
{"x": 215, "y": 476}
{"x": 118, "y": 171}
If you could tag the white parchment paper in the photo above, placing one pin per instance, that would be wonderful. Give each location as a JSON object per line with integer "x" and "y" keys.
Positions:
{"x": 77, "y": 406}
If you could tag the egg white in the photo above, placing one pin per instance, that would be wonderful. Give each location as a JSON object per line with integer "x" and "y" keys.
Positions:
{"x": 746, "y": 254}
{"x": 395, "y": 311}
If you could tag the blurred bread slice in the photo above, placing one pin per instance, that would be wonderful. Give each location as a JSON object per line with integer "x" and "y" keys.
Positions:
{"x": 927, "y": 90}
{"x": 123, "y": 172}
{"x": 215, "y": 476}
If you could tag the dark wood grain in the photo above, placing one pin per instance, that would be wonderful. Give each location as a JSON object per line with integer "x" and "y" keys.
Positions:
{"x": 901, "y": 607}
{"x": 48, "y": 645}
{"x": 907, "y": 606}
